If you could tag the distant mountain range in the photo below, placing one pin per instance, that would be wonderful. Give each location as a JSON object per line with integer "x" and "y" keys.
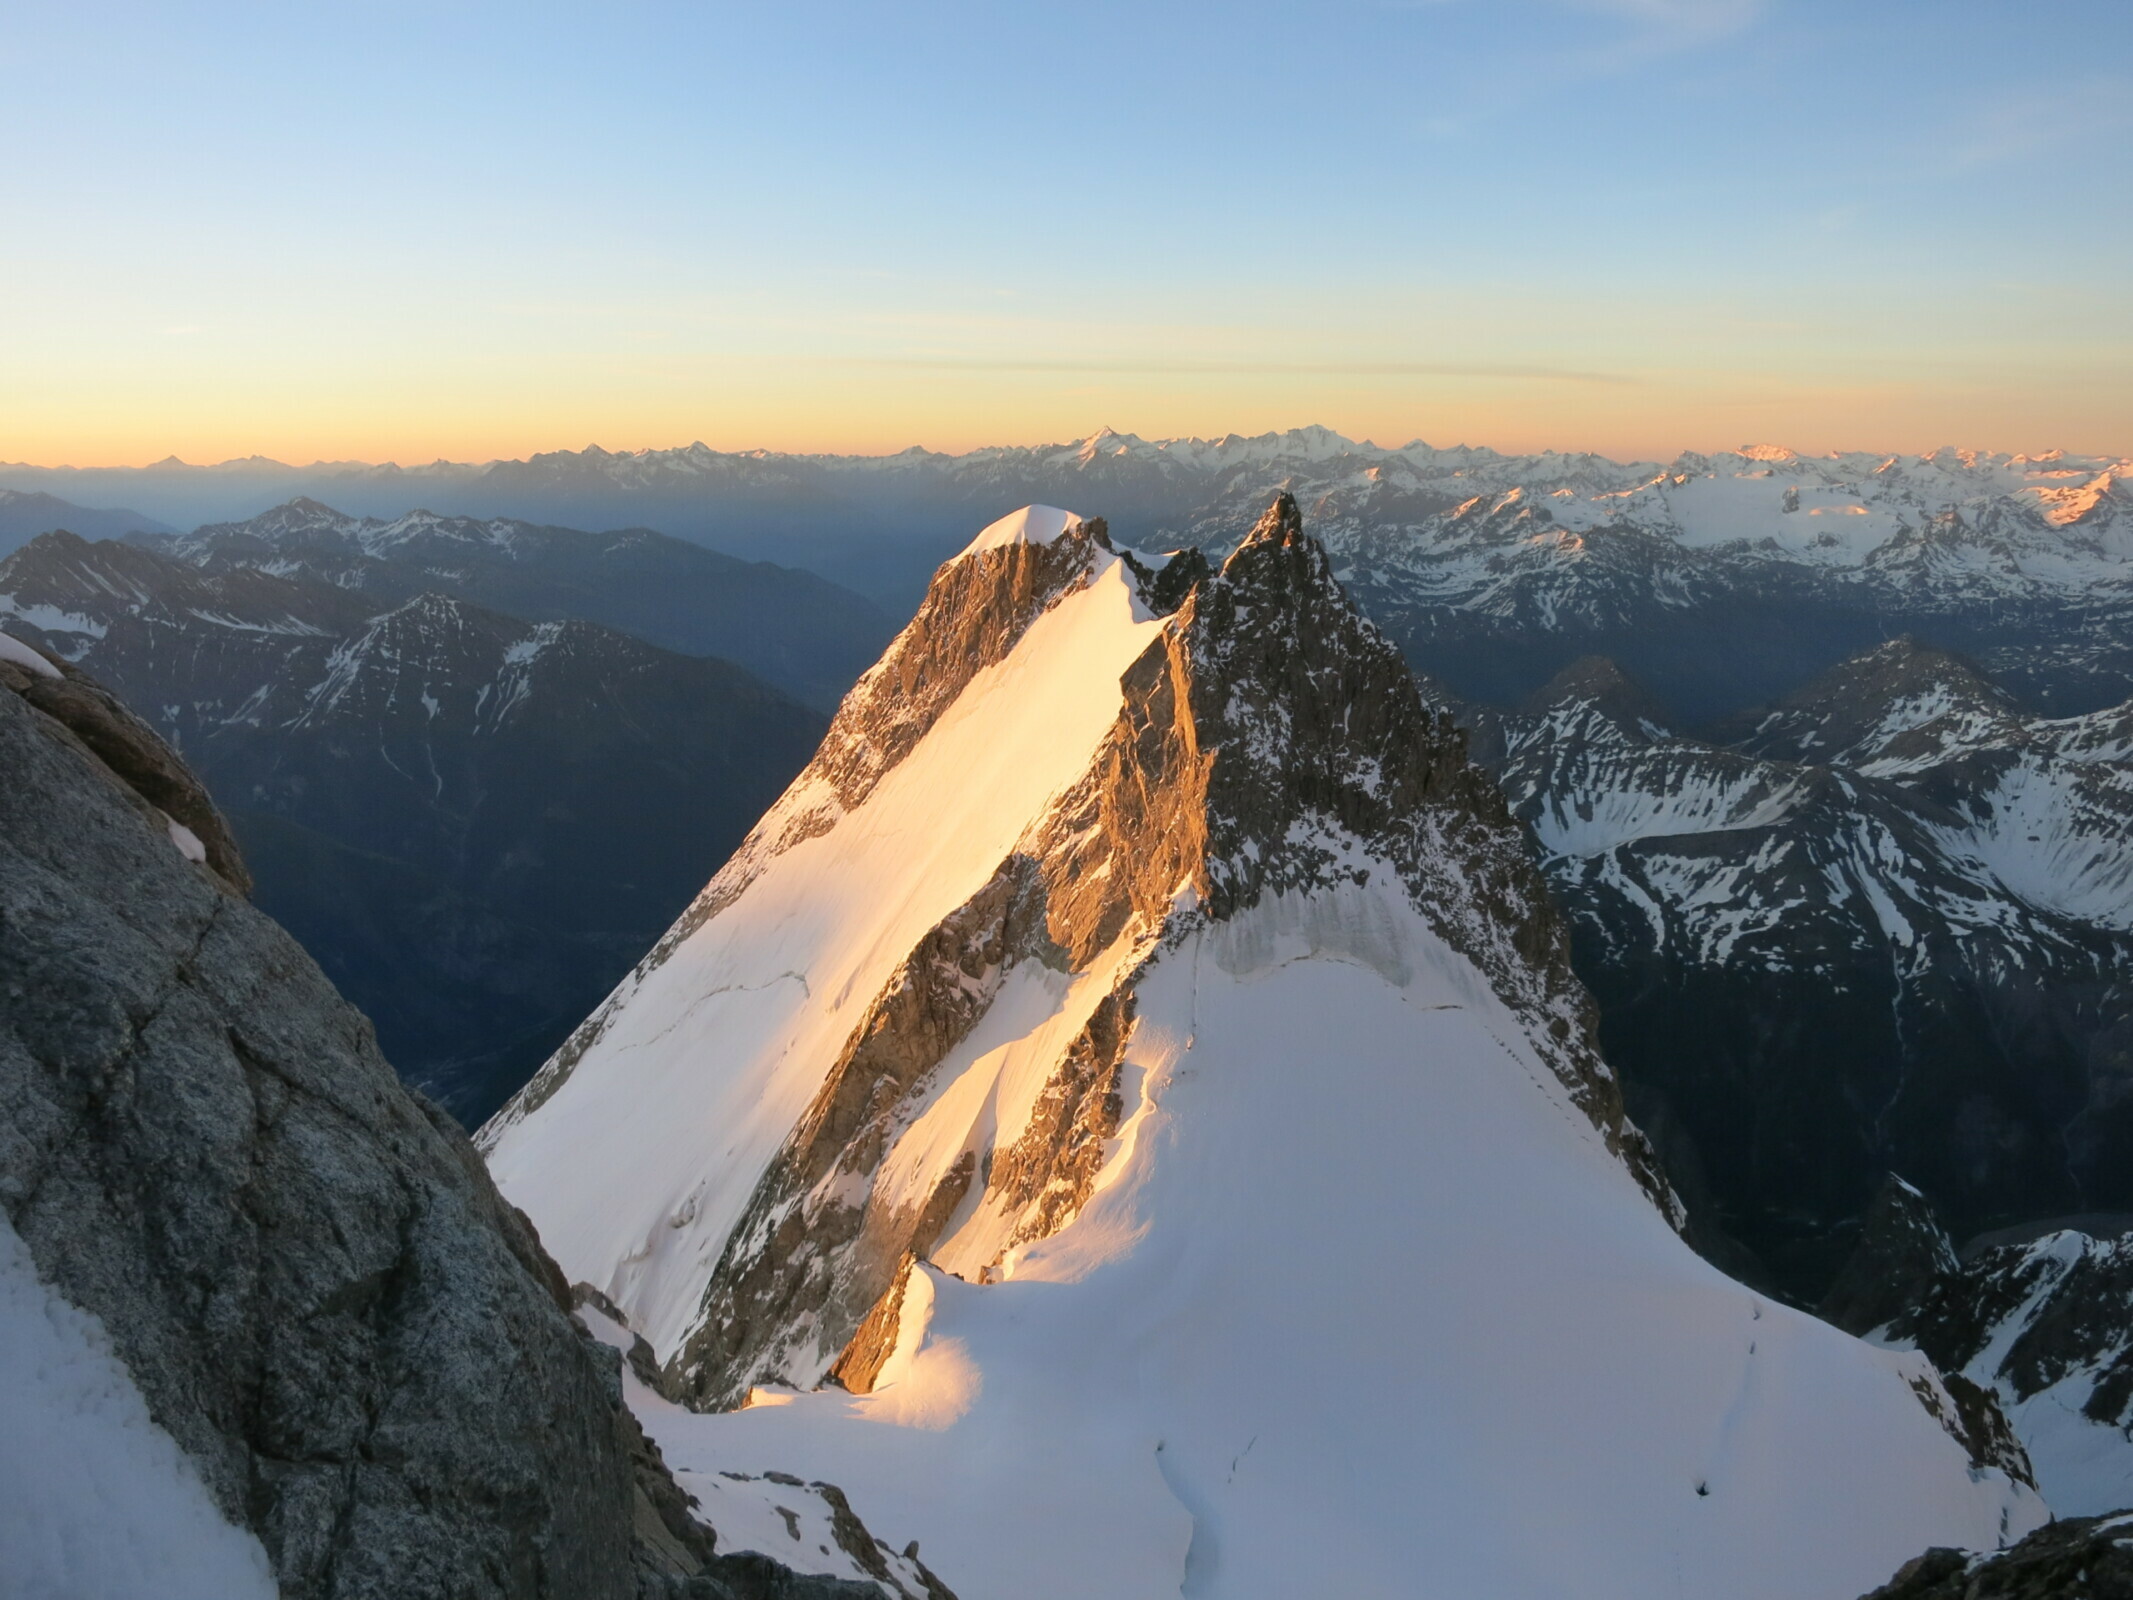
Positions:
{"x": 24, "y": 515}
{"x": 474, "y": 822}
{"x": 796, "y": 630}
{"x": 1822, "y": 950}
{"x": 1886, "y": 923}
{"x": 1720, "y": 581}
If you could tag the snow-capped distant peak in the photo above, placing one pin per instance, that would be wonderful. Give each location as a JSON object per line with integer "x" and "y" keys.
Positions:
{"x": 1030, "y": 525}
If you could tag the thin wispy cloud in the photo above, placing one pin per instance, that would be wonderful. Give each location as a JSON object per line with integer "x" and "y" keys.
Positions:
{"x": 2047, "y": 117}
{"x": 1659, "y": 28}
{"x": 1701, "y": 17}
{"x": 1169, "y": 369}
{"x": 1634, "y": 34}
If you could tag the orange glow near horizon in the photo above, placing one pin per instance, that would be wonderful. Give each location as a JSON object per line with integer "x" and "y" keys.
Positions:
{"x": 1627, "y": 376}
{"x": 1636, "y": 422}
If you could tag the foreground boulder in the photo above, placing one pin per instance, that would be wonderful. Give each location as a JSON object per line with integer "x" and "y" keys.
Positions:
{"x": 361, "y": 1351}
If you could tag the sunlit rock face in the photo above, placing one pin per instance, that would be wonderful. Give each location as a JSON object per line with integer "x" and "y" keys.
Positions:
{"x": 1135, "y": 1080}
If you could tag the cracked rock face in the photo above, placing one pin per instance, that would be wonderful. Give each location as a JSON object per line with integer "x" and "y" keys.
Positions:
{"x": 305, "y": 1268}
{"x": 306, "y": 1271}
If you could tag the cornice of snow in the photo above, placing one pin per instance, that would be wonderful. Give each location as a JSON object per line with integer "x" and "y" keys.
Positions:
{"x": 1030, "y": 525}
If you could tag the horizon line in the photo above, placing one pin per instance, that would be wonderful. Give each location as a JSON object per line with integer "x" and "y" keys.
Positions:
{"x": 1748, "y": 449}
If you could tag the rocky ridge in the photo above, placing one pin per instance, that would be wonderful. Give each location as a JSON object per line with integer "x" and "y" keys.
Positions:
{"x": 361, "y": 1348}
{"x": 1267, "y": 732}
{"x": 2075, "y": 1558}
{"x": 23, "y": 516}
{"x": 2043, "y": 1320}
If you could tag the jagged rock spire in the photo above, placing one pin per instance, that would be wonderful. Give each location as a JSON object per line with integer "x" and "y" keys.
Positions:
{"x": 1280, "y": 523}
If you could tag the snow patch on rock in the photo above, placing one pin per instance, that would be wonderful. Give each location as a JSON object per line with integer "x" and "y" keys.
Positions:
{"x": 96, "y": 1501}
{"x": 16, "y": 653}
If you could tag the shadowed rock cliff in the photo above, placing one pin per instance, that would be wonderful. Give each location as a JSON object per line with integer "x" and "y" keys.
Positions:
{"x": 305, "y": 1268}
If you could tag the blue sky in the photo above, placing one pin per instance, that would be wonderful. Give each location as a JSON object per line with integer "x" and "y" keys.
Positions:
{"x": 1632, "y": 225}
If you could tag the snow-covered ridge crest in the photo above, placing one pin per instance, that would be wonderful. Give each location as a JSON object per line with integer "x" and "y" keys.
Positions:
{"x": 1264, "y": 739}
{"x": 974, "y": 614}
{"x": 986, "y": 707}
{"x": 1030, "y": 525}
{"x": 1150, "y": 1094}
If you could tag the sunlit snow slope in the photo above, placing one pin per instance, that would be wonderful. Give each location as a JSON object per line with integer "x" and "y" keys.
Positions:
{"x": 1138, "y": 1065}
{"x": 709, "y": 1058}
{"x": 1366, "y": 1311}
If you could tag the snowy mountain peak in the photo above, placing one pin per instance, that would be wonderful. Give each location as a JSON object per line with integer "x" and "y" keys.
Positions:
{"x": 1858, "y": 710}
{"x": 1261, "y": 742}
{"x": 1030, "y": 525}
{"x": 303, "y": 515}
{"x": 1138, "y": 970}
{"x": 1598, "y": 684}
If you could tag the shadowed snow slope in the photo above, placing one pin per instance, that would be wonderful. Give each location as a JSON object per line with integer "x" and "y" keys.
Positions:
{"x": 1126, "y": 1116}
{"x": 95, "y": 1499}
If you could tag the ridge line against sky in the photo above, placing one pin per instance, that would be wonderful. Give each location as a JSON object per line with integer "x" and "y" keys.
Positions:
{"x": 398, "y": 232}
{"x": 1750, "y": 448}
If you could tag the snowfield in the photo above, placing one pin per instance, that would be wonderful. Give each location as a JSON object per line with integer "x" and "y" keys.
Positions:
{"x": 1365, "y": 1309}
{"x": 96, "y": 1501}
{"x": 1359, "y": 1301}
